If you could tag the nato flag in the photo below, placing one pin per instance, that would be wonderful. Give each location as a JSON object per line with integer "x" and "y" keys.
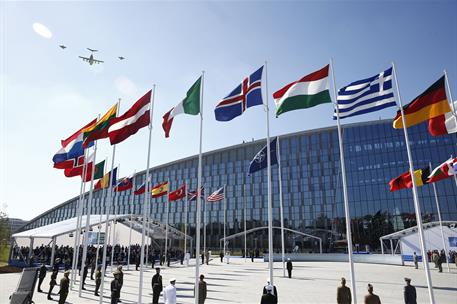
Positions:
{"x": 260, "y": 159}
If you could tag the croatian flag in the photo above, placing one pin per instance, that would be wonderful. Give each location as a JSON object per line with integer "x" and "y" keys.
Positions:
{"x": 246, "y": 95}
{"x": 72, "y": 152}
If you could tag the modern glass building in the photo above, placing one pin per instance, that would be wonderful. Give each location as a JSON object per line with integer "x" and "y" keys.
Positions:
{"x": 312, "y": 188}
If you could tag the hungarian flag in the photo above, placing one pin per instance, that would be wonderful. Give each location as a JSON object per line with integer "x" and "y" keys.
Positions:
{"x": 100, "y": 129}
{"x": 189, "y": 105}
{"x": 430, "y": 104}
{"x": 405, "y": 181}
{"x": 125, "y": 184}
{"x": 307, "y": 92}
{"x": 177, "y": 194}
{"x": 159, "y": 190}
{"x": 443, "y": 124}
{"x": 104, "y": 181}
{"x": 443, "y": 171}
{"x": 137, "y": 117}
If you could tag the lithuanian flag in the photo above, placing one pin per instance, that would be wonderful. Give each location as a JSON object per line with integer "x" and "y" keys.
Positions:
{"x": 100, "y": 129}
{"x": 430, "y": 104}
{"x": 160, "y": 190}
{"x": 405, "y": 181}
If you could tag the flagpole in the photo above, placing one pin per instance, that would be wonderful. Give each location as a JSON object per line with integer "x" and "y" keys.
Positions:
{"x": 415, "y": 196}
{"x": 281, "y": 207}
{"x": 438, "y": 210}
{"x": 77, "y": 234}
{"x": 148, "y": 240}
{"x": 186, "y": 207}
{"x": 244, "y": 215}
{"x": 132, "y": 201}
{"x": 147, "y": 196}
{"x": 166, "y": 223}
{"x": 199, "y": 183}
{"x": 345, "y": 192}
{"x": 100, "y": 218}
{"x": 270, "y": 211}
{"x": 204, "y": 227}
{"x": 86, "y": 233}
{"x": 116, "y": 201}
{"x": 225, "y": 220}
{"x": 109, "y": 201}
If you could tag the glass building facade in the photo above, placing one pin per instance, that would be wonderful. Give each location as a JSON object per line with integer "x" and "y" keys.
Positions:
{"x": 312, "y": 188}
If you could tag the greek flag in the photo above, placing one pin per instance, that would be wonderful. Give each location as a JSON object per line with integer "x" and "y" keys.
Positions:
{"x": 367, "y": 95}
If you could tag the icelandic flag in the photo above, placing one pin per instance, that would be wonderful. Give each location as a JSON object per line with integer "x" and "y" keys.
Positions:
{"x": 247, "y": 94}
{"x": 260, "y": 159}
{"x": 69, "y": 156}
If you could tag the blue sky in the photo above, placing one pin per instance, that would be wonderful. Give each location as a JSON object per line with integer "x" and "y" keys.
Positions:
{"x": 48, "y": 93}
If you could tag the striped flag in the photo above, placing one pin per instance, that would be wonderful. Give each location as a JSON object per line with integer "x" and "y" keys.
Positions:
{"x": 217, "y": 195}
{"x": 366, "y": 95}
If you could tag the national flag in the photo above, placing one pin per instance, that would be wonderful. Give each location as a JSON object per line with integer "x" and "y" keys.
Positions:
{"x": 189, "y": 105}
{"x": 98, "y": 171}
{"x": 443, "y": 171}
{"x": 405, "y": 181}
{"x": 260, "y": 159}
{"x": 77, "y": 169}
{"x": 159, "y": 190}
{"x": 246, "y": 95}
{"x": 72, "y": 150}
{"x": 443, "y": 124}
{"x": 125, "y": 184}
{"x": 192, "y": 195}
{"x": 140, "y": 190}
{"x": 366, "y": 95}
{"x": 100, "y": 129}
{"x": 104, "y": 181}
{"x": 177, "y": 194}
{"x": 137, "y": 117}
{"x": 217, "y": 195}
{"x": 430, "y": 104}
{"x": 307, "y": 92}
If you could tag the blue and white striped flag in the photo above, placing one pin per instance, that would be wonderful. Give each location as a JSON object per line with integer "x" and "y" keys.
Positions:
{"x": 366, "y": 95}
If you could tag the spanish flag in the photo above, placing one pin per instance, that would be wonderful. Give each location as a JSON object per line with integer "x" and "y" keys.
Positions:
{"x": 404, "y": 180}
{"x": 100, "y": 129}
{"x": 430, "y": 104}
{"x": 159, "y": 190}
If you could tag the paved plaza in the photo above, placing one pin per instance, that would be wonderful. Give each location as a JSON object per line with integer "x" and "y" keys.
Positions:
{"x": 242, "y": 282}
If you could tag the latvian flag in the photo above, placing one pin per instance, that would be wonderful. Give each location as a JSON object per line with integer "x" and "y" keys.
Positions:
{"x": 137, "y": 117}
{"x": 307, "y": 92}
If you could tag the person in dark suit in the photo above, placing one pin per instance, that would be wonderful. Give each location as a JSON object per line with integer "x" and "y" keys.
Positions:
{"x": 157, "y": 286}
{"x": 289, "y": 267}
{"x": 137, "y": 261}
{"x": 268, "y": 297}
{"x": 115, "y": 288}
{"x": 409, "y": 292}
{"x": 53, "y": 281}
{"x": 64, "y": 287}
{"x": 120, "y": 279}
{"x": 202, "y": 290}
{"x": 41, "y": 276}
{"x": 221, "y": 255}
{"x": 343, "y": 293}
{"x": 85, "y": 272}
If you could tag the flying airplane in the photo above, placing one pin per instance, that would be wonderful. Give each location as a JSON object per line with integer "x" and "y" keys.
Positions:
{"x": 121, "y": 58}
{"x": 91, "y": 59}
{"x": 63, "y": 47}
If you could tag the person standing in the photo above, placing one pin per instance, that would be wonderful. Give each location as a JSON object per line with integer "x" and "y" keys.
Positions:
{"x": 92, "y": 268}
{"x": 121, "y": 280}
{"x": 343, "y": 293}
{"x": 137, "y": 261}
{"x": 273, "y": 288}
{"x": 85, "y": 272}
{"x": 409, "y": 292}
{"x": 416, "y": 260}
{"x": 41, "y": 276}
{"x": 169, "y": 293}
{"x": 53, "y": 281}
{"x": 157, "y": 286}
{"x": 64, "y": 285}
{"x": 202, "y": 290}
{"x": 207, "y": 257}
{"x": 115, "y": 288}
{"x": 203, "y": 258}
{"x": 371, "y": 298}
{"x": 221, "y": 255}
{"x": 98, "y": 279}
{"x": 268, "y": 297}
{"x": 289, "y": 267}
{"x": 441, "y": 260}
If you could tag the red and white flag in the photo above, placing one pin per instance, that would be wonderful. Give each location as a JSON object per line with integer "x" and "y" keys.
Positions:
{"x": 443, "y": 124}
{"x": 137, "y": 117}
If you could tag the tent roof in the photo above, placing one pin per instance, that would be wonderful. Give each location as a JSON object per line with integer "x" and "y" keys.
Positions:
{"x": 412, "y": 230}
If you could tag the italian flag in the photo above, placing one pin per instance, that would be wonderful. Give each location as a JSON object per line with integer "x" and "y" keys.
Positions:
{"x": 443, "y": 171}
{"x": 306, "y": 92}
{"x": 189, "y": 105}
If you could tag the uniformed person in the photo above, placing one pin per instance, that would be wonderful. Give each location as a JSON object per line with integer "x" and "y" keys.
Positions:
{"x": 64, "y": 285}
{"x": 98, "y": 279}
{"x": 85, "y": 272}
{"x": 289, "y": 267}
{"x": 268, "y": 297}
{"x": 115, "y": 288}
{"x": 371, "y": 298}
{"x": 53, "y": 281}
{"x": 121, "y": 279}
{"x": 273, "y": 288}
{"x": 343, "y": 293}
{"x": 41, "y": 276}
{"x": 202, "y": 290}
{"x": 409, "y": 292}
{"x": 157, "y": 286}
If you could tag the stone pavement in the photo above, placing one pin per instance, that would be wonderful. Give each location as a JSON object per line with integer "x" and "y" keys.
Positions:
{"x": 242, "y": 282}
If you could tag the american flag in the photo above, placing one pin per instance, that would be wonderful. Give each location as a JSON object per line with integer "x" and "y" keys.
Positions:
{"x": 192, "y": 195}
{"x": 217, "y": 195}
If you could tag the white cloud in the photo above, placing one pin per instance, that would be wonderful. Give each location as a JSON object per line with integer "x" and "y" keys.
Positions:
{"x": 42, "y": 30}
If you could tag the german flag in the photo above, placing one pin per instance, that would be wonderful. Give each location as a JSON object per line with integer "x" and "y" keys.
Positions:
{"x": 404, "y": 180}
{"x": 430, "y": 104}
